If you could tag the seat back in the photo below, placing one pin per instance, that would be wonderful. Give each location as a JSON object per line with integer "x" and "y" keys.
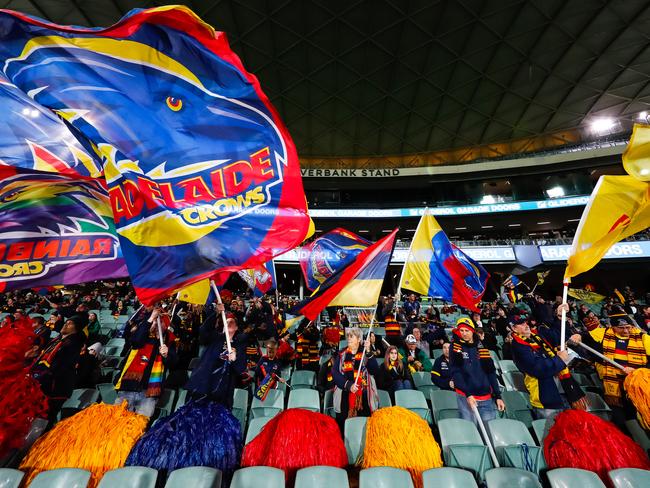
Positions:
{"x": 506, "y": 365}
{"x": 629, "y": 477}
{"x": 194, "y": 477}
{"x": 448, "y": 477}
{"x": 257, "y": 476}
{"x": 514, "y": 381}
{"x": 573, "y": 478}
{"x": 415, "y": 401}
{"x": 255, "y": 427}
{"x": 511, "y": 478}
{"x": 61, "y": 478}
{"x": 421, "y": 378}
{"x": 303, "y": 379}
{"x": 444, "y": 404}
{"x": 274, "y": 403}
{"x": 455, "y": 432}
{"x": 384, "y": 477}
{"x": 107, "y": 392}
{"x": 10, "y": 478}
{"x": 355, "y": 438}
{"x": 322, "y": 477}
{"x": 539, "y": 428}
{"x": 597, "y": 406}
{"x": 517, "y": 407}
{"x": 129, "y": 477}
{"x": 508, "y": 432}
{"x": 328, "y": 403}
{"x": 305, "y": 398}
{"x": 384, "y": 399}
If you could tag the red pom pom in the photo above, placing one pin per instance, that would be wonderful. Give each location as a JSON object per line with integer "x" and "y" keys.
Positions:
{"x": 15, "y": 341}
{"x": 582, "y": 440}
{"x": 295, "y": 439}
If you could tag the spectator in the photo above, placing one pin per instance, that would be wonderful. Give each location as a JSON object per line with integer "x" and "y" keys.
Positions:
{"x": 393, "y": 375}
{"x": 88, "y": 367}
{"x": 94, "y": 327}
{"x": 376, "y": 347}
{"x": 415, "y": 359}
{"x": 441, "y": 373}
{"x": 421, "y": 343}
{"x": 269, "y": 368}
{"x": 411, "y": 308}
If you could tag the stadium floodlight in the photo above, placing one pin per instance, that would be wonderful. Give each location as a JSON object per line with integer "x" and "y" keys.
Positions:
{"x": 487, "y": 199}
{"x": 555, "y": 192}
{"x": 461, "y": 228}
{"x": 487, "y": 227}
{"x": 644, "y": 172}
{"x": 364, "y": 230}
{"x": 543, "y": 223}
{"x": 643, "y": 116}
{"x": 603, "y": 125}
{"x": 514, "y": 225}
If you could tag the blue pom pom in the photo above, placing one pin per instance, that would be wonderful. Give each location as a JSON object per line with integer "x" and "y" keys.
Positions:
{"x": 197, "y": 434}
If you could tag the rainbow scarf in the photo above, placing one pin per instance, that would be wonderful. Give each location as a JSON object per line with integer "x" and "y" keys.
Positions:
{"x": 138, "y": 363}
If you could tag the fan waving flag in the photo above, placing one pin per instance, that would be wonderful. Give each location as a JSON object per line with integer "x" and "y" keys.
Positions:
{"x": 437, "y": 268}
{"x": 202, "y": 175}
{"x": 54, "y": 231}
{"x": 358, "y": 284}
{"x": 260, "y": 279}
{"x": 321, "y": 258}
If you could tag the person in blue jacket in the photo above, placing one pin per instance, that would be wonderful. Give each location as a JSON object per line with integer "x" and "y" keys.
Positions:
{"x": 441, "y": 373}
{"x": 474, "y": 374}
{"x": 217, "y": 373}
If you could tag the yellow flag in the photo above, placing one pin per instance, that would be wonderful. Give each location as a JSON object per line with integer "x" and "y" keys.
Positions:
{"x": 636, "y": 158}
{"x": 585, "y": 296}
{"x": 619, "y": 207}
{"x": 196, "y": 293}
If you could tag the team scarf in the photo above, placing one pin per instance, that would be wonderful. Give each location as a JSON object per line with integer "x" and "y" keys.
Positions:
{"x": 574, "y": 393}
{"x": 634, "y": 356}
{"x": 350, "y": 364}
{"x": 139, "y": 362}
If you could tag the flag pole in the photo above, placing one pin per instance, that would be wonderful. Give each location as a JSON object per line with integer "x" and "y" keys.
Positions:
{"x": 596, "y": 353}
{"x": 223, "y": 316}
{"x": 488, "y": 442}
{"x": 160, "y": 334}
{"x": 565, "y": 292}
{"x": 363, "y": 345}
{"x": 408, "y": 255}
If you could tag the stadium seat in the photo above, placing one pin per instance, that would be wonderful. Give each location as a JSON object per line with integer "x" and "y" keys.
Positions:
{"x": 514, "y": 446}
{"x": 629, "y": 477}
{"x": 573, "y": 478}
{"x": 112, "y": 350}
{"x": 506, "y": 365}
{"x": 422, "y": 382}
{"x": 328, "y": 403}
{"x": 495, "y": 359}
{"x": 415, "y": 401}
{"x": 274, "y": 403}
{"x": 129, "y": 477}
{"x": 117, "y": 342}
{"x": 638, "y": 434}
{"x": 61, "y": 478}
{"x": 166, "y": 402}
{"x": 194, "y": 477}
{"x": 518, "y": 407}
{"x": 436, "y": 353}
{"x": 180, "y": 400}
{"x": 444, "y": 405}
{"x": 384, "y": 477}
{"x": 514, "y": 381}
{"x": 10, "y": 478}
{"x": 258, "y": 476}
{"x": 307, "y": 399}
{"x": 255, "y": 427}
{"x": 597, "y": 406}
{"x": 539, "y": 428}
{"x": 302, "y": 379}
{"x": 384, "y": 399}
{"x": 355, "y": 438}
{"x": 79, "y": 399}
{"x": 448, "y": 477}
{"x": 107, "y": 392}
{"x": 512, "y": 478}
{"x": 322, "y": 477}
{"x": 240, "y": 406}
{"x": 463, "y": 447}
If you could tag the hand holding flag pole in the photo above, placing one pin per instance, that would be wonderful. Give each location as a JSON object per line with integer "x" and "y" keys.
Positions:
{"x": 363, "y": 358}
{"x": 223, "y": 317}
{"x": 596, "y": 353}
{"x": 564, "y": 310}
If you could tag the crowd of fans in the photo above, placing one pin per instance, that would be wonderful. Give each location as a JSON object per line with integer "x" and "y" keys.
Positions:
{"x": 456, "y": 347}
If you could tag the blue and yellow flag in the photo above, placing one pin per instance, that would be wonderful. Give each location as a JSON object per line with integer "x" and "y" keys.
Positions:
{"x": 321, "y": 258}
{"x": 202, "y": 175}
{"x": 437, "y": 268}
{"x": 356, "y": 285}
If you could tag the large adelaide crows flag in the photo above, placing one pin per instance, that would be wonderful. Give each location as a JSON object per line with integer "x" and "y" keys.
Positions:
{"x": 201, "y": 173}
{"x": 56, "y": 223}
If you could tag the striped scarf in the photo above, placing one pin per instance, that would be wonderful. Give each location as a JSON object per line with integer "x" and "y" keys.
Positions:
{"x": 138, "y": 364}
{"x": 633, "y": 355}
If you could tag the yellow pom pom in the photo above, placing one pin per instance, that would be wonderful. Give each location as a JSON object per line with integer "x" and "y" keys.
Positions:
{"x": 98, "y": 439}
{"x": 399, "y": 438}
{"x": 637, "y": 386}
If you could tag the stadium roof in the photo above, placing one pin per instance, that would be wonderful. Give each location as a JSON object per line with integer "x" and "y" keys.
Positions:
{"x": 362, "y": 79}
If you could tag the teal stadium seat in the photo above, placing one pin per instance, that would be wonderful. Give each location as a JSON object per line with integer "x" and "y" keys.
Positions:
{"x": 506, "y": 365}
{"x": 107, "y": 392}
{"x": 78, "y": 400}
{"x": 61, "y": 478}
{"x": 182, "y": 397}
{"x": 194, "y": 477}
{"x": 518, "y": 407}
{"x": 629, "y": 477}
{"x": 639, "y": 435}
{"x": 511, "y": 478}
{"x": 258, "y": 477}
{"x": 273, "y": 404}
{"x": 422, "y": 382}
{"x": 444, "y": 405}
{"x": 302, "y": 379}
{"x": 415, "y": 401}
{"x": 166, "y": 402}
{"x": 507, "y": 438}
{"x": 304, "y": 398}
{"x": 10, "y": 478}
{"x": 436, "y": 353}
{"x": 240, "y": 406}
{"x": 539, "y": 428}
{"x": 129, "y": 477}
{"x": 384, "y": 477}
{"x": 322, "y": 477}
{"x": 384, "y": 399}
{"x": 355, "y": 438}
{"x": 448, "y": 478}
{"x": 597, "y": 406}
{"x": 574, "y": 478}
{"x": 463, "y": 447}
{"x": 328, "y": 403}
{"x": 514, "y": 381}
{"x": 255, "y": 426}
